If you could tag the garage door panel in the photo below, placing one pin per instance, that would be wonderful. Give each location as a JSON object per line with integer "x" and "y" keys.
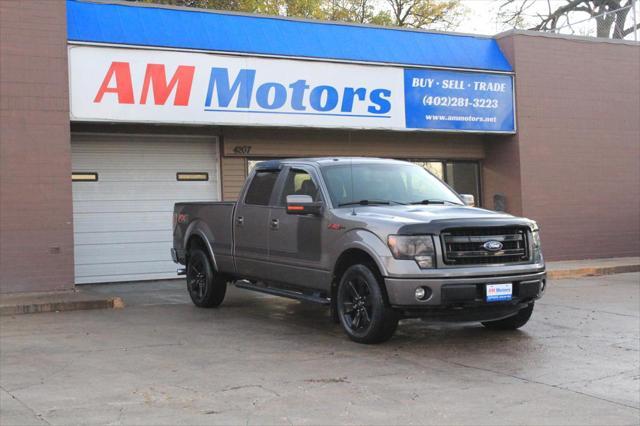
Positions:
{"x": 116, "y": 206}
{"x": 125, "y": 272}
{"x": 123, "y": 222}
{"x": 123, "y": 237}
{"x": 114, "y": 278}
{"x": 129, "y": 221}
{"x": 95, "y": 254}
{"x": 139, "y": 175}
{"x": 143, "y": 190}
{"x": 123, "y": 268}
{"x": 119, "y": 206}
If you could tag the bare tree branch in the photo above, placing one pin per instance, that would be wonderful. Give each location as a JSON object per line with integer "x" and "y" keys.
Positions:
{"x": 610, "y": 16}
{"x": 630, "y": 30}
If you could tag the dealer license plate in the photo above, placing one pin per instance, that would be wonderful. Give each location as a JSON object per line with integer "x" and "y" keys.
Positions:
{"x": 499, "y": 292}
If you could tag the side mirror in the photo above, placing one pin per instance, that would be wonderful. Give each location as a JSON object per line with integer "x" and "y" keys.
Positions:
{"x": 303, "y": 204}
{"x": 468, "y": 199}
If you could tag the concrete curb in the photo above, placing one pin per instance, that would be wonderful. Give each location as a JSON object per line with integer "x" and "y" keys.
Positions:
{"x": 40, "y": 306}
{"x": 591, "y": 271}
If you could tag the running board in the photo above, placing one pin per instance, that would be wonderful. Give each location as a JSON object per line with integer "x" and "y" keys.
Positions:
{"x": 313, "y": 298}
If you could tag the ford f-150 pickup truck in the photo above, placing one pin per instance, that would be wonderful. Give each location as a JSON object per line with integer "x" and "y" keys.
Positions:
{"x": 376, "y": 240}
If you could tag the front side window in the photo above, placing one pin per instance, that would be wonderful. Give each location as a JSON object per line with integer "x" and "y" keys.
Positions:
{"x": 261, "y": 187}
{"x": 299, "y": 182}
{"x": 393, "y": 183}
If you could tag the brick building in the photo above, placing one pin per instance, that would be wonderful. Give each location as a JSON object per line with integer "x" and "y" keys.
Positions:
{"x": 93, "y": 153}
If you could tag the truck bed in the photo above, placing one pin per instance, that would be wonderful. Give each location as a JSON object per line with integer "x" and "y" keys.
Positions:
{"x": 212, "y": 221}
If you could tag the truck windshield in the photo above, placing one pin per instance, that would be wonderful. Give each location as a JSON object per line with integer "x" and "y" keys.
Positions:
{"x": 385, "y": 184}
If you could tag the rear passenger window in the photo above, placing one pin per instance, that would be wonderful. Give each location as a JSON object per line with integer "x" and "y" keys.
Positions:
{"x": 261, "y": 187}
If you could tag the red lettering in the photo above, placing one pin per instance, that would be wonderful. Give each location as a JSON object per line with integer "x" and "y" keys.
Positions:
{"x": 123, "y": 87}
{"x": 156, "y": 77}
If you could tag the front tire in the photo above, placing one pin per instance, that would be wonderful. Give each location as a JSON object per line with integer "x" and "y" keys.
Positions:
{"x": 362, "y": 310}
{"x": 513, "y": 322}
{"x": 206, "y": 288}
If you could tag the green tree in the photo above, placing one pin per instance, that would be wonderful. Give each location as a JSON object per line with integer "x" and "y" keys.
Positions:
{"x": 441, "y": 14}
{"x": 358, "y": 11}
{"x": 425, "y": 13}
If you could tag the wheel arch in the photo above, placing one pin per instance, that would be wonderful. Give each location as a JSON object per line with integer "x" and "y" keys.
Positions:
{"x": 352, "y": 256}
{"x": 198, "y": 235}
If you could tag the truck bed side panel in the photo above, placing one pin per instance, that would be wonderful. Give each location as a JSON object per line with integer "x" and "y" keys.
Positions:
{"x": 213, "y": 221}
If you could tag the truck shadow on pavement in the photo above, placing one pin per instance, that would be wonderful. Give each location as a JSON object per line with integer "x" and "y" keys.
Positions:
{"x": 291, "y": 319}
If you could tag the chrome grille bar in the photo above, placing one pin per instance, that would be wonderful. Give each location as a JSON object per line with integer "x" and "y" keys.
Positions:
{"x": 465, "y": 246}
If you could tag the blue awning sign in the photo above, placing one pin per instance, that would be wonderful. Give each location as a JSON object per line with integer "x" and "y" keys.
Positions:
{"x": 159, "y": 86}
{"x": 458, "y": 101}
{"x": 197, "y": 29}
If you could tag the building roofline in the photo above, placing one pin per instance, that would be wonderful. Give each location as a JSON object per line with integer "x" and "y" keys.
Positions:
{"x": 531, "y": 33}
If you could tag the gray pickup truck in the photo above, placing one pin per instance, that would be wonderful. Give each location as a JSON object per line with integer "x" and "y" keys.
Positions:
{"x": 376, "y": 240}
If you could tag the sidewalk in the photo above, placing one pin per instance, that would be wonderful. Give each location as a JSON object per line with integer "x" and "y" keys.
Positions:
{"x": 81, "y": 299}
{"x": 591, "y": 267}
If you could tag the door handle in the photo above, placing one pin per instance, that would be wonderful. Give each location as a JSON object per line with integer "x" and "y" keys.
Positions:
{"x": 275, "y": 223}
{"x": 240, "y": 221}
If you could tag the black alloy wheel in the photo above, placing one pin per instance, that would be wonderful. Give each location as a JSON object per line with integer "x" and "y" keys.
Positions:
{"x": 206, "y": 288}
{"x": 362, "y": 310}
{"x": 356, "y": 307}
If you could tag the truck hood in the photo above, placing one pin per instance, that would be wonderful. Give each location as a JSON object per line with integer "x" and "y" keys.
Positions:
{"x": 424, "y": 214}
{"x": 428, "y": 218}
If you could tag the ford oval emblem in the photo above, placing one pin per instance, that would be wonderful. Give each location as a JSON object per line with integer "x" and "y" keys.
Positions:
{"x": 492, "y": 245}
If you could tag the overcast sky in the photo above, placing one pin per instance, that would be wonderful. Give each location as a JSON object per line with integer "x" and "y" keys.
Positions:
{"x": 481, "y": 15}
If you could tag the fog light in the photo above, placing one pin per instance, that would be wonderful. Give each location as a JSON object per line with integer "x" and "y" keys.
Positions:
{"x": 423, "y": 293}
{"x": 424, "y": 262}
{"x": 543, "y": 284}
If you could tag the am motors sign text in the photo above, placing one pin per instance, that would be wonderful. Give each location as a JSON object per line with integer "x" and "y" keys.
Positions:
{"x": 132, "y": 85}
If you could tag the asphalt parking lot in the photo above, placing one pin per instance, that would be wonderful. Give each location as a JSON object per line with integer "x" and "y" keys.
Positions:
{"x": 264, "y": 360}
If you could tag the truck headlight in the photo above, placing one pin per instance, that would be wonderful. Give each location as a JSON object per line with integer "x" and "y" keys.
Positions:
{"x": 413, "y": 247}
{"x": 537, "y": 248}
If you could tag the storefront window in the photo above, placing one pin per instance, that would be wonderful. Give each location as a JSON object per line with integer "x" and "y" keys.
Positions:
{"x": 463, "y": 176}
{"x": 435, "y": 167}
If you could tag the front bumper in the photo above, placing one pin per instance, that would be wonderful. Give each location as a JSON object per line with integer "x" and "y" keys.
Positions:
{"x": 458, "y": 293}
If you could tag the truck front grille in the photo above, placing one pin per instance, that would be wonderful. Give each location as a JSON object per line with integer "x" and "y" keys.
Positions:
{"x": 466, "y": 246}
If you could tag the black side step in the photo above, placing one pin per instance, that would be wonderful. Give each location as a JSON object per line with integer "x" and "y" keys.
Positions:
{"x": 313, "y": 298}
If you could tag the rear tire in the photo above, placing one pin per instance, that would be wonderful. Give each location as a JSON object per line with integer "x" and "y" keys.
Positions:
{"x": 361, "y": 307}
{"x": 513, "y": 322}
{"x": 206, "y": 287}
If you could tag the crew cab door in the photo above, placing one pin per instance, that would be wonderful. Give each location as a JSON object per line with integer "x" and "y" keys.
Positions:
{"x": 295, "y": 241}
{"x": 250, "y": 222}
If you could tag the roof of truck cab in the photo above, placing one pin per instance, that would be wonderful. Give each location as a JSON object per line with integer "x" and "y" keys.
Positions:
{"x": 323, "y": 161}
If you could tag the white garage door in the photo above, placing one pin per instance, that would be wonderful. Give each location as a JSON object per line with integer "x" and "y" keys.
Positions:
{"x": 123, "y": 220}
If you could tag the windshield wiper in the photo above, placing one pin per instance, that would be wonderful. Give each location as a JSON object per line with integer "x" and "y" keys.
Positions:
{"x": 433, "y": 201}
{"x": 369, "y": 203}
